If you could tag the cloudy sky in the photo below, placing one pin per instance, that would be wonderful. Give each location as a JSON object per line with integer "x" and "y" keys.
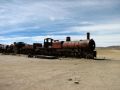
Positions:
{"x": 33, "y": 20}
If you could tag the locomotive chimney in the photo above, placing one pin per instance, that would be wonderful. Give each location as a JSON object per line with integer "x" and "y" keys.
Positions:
{"x": 68, "y": 39}
{"x": 14, "y": 43}
{"x": 88, "y": 35}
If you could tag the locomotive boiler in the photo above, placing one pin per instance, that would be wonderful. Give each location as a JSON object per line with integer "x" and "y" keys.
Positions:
{"x": 83, "y": 44}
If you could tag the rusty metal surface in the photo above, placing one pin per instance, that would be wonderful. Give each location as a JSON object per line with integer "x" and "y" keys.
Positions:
{"x": 79, "y": 44}
{"x": 56, "y": 45}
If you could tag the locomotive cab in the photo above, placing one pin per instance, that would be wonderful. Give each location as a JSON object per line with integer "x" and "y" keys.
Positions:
{"x": 48, "y": 42}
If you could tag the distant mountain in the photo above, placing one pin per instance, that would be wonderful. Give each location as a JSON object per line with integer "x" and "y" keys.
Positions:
{"x": 110, "y": 47}
{"x": 113, "y": 47}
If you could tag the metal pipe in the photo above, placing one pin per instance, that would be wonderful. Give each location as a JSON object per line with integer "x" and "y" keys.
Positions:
{"x": 88, "y": 35}
{"x": 68, "y": 39}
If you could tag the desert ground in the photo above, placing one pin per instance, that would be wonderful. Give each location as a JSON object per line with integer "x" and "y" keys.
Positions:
{"x": 23, "y": 73}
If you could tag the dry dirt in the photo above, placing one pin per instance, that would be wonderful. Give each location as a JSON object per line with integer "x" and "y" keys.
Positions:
{"x": 22, "y": 73}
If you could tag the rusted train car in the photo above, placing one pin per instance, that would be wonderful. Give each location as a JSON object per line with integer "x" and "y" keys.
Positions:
{"x": 81, "y": 49}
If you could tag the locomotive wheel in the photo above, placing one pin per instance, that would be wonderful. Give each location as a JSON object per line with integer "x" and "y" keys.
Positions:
{"x": 89, "y": 56}
{"x": 79, "y": 53}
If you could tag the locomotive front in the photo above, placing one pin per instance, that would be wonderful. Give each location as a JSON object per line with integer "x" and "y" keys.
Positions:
{"x": 85, "y": 48}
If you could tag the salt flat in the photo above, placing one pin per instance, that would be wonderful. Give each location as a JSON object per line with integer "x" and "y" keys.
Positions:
{"x": 22, "y": 73}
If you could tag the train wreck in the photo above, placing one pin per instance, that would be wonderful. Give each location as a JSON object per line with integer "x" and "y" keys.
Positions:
{"x": 53, "y": 48}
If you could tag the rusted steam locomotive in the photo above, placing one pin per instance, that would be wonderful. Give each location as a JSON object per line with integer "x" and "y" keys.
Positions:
{"x": 68, "y": 48}
{"x": 81, "y": 49}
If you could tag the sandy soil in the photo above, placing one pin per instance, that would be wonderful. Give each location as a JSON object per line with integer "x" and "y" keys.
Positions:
{"x": 22, "y": 73}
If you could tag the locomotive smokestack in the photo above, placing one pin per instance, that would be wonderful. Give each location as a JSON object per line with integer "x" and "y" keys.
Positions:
{"x": 68, "y": 39}
{"x": 88, "y": 35}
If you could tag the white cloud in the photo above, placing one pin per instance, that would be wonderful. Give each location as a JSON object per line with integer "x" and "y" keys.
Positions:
{"x": 9, "y": 30}
{"x": 115, "y": 27}
{"x": 106, "y": 40}
{"x": 86, "y": 23}
{"x": 93, "y": 27}
{"x": 25, "y": 15}
{"x": 15, "y": 14}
